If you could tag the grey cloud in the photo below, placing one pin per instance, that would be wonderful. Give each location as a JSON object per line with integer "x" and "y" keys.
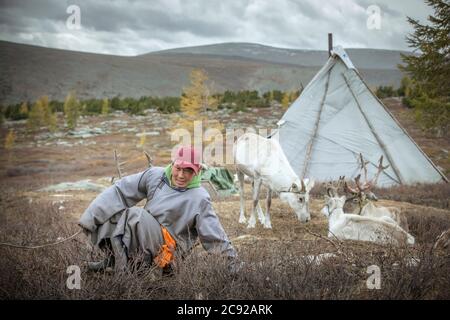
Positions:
{"x": 136, "y": 27}
{"x": 305, "y": 9}
{"x": 101, "y": 16}
{"x": 49, "y": 9}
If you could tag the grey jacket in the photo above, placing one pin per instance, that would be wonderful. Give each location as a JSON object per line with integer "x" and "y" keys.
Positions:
{"x": 188, "y": 215}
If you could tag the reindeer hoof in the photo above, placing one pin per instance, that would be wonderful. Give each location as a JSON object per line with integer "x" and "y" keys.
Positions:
{"x": 251, "y": 226}
{"x": 243, "y": 220}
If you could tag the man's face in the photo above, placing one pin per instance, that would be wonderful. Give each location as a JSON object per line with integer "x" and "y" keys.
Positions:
{"x": 181, "y": 177}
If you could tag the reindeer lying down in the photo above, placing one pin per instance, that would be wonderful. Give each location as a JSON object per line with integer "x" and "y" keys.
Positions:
{"x": 363, "y": 196}
{"x": 368, "y": 223}
{"x": 348, "y": 226}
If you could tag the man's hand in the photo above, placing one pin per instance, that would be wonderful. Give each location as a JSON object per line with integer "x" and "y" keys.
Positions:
{"x": 235, "y": 266}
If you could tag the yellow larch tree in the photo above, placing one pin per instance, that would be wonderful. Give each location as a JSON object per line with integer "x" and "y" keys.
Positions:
{"x": 285, "y": 102}
{"x": 105, "y": 106}
{"x": 196, "y": 99}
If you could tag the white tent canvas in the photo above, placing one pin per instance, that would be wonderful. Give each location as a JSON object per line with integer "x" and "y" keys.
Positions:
{"x": 336, "y": 118}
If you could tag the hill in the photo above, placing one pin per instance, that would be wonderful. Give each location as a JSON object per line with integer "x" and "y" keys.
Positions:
{"x": 31, "y": 71}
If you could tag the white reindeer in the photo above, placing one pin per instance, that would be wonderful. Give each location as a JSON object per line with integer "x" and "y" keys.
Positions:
{"x": 347, "y": 226}
{"x": 370, "y": 210}
{"x": 364, "y": 196}
{"x": 264, "y": 161}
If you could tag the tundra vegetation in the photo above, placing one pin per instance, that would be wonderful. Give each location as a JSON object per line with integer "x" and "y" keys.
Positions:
{"x": 292, "y": 260}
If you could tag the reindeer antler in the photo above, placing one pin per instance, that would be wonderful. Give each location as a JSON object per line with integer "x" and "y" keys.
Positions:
{"x": 358, "y": 187}
{"x": 363, "y": 164}
{"x": 335, "y": 186}
{"x": 363, "y": 189}
{"x": 350, "y": 189}
{"x": 380, "y": 169}
{"x": 367, "y": 184}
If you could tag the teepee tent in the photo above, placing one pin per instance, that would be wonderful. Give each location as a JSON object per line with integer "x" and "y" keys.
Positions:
{"x": 336, "y": 118}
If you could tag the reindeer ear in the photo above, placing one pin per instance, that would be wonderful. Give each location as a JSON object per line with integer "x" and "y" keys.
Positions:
{"x": 371, "y": 196}
{"x": 329, "y": 192}
{"x": 303, "y": 186}
{"x": 294, "y": 188}
{"x": 310, "y": 185}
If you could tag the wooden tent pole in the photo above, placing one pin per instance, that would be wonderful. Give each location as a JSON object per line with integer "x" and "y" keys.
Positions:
{"x": 377, "y": 137}
{"x": 316, "y": 127}
{"x": 330, "y": 44}
{"x": 444, "y": 178}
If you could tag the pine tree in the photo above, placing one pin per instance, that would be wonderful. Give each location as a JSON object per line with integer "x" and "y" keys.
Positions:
{"x": 405, "y": 87}
{"x": 105, "y": 106}
{"x": 71, "y": 110}
{"x": 24, "y": 108}
{"x": 40, "y": 115}
{"x": 52, "y": 122}
{"x": 431, "y": 69}
{"x": 36, "y": 116}
{"x": 429, "y": 90}
{"x": 49, "y": 117}
{"x": 294, "y": 95}
{"x": 286, "y": 100}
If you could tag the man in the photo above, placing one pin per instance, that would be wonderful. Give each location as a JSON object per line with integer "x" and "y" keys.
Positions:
{"x": 178, "y": 211}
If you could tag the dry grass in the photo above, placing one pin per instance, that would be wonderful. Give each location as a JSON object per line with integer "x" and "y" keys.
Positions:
{"x": 431, "y": 195}
{"x": 275, "y": 264}
{"x": 276, "y": 267}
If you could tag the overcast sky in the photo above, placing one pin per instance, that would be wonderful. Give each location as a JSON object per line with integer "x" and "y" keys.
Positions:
{"x": 132, "y": 27}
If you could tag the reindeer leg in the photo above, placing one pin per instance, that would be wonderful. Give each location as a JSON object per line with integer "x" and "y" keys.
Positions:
{"x": 256, "y": 189}
{"x": 242, "y": 218}
{"x": 267, "y": 222}
{"x": 261, "y": 217}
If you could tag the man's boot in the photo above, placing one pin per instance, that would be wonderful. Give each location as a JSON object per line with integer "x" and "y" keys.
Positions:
{"x": 102, "y": 265}
{"x": 106, "y": 263}
{"x": 120, "y": 255}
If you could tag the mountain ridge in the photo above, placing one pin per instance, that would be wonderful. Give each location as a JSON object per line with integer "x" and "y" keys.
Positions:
{"x": 30, "y": 71}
